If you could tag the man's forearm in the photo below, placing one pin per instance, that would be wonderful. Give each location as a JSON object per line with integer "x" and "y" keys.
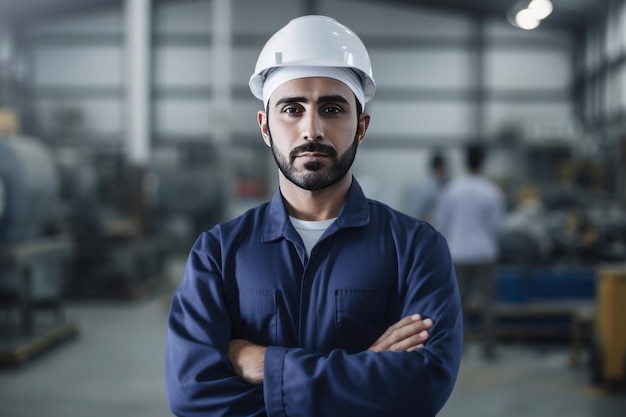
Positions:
{"x": 407, "y": 334}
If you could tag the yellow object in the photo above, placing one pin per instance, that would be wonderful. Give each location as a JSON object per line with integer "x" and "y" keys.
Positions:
{"x": 611, "y": 321}
{"x": 8, "y": 121}
{"x": 527, "y": 193}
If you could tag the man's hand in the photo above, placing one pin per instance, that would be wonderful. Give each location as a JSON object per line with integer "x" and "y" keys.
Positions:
{"x": 408, "y": 334}
{"x": 247, "y": 359}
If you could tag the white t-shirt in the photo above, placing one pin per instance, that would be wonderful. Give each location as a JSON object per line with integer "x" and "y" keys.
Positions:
{"x": 310, "y": 231}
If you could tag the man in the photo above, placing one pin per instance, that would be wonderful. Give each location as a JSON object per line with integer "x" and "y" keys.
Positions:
{"x": 425, "y": 198}
{"x": 470, "y": 217}
{"x": 320, "y": 302}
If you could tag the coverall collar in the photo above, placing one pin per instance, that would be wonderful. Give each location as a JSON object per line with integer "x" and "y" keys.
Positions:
{"x": 354, "y": 213}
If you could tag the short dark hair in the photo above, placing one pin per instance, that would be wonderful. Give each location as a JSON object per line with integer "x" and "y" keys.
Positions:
{"x": 437, "y": 161}
{"x": 475, "y": 156}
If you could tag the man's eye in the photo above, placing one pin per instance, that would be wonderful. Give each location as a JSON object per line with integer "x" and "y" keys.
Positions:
{"x": 332, "y": 109}
{"x": 290, "y": 109}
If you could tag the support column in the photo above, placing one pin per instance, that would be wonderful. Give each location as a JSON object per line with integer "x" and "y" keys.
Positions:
{"x": 138, "y": 80}
{"x": 138, "y": 45}
{"x": 222, "y": 69}
{"x": 478, "y": 69}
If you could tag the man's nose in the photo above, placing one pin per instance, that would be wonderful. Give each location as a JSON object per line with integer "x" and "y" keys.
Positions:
{"x": 312, "y": 127}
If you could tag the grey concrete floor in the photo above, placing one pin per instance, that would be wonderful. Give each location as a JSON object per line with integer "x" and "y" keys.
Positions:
{"x": 528, "y": 380}
{"x": 114, "y": 368}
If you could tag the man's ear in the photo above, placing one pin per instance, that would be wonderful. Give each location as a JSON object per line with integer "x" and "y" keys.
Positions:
{"x": 261, "y": 118}
{"x": 364, "y": 122}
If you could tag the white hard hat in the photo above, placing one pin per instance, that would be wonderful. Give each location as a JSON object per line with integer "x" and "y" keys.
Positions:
{"x": 314, "y": 41}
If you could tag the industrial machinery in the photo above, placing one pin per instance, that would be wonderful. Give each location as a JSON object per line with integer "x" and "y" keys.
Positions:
{"x": 116, "y": 255}
{"x": 127, "y": 222}
{"x": 33, "y": 255}
{"x": 31, "y": 187}
{"x": 550, "y": 248}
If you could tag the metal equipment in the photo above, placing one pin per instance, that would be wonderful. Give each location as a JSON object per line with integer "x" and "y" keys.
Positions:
{"x": 31, "y": 189}
{"x": 116, "y": 256}
{"x": 33, "y": 257}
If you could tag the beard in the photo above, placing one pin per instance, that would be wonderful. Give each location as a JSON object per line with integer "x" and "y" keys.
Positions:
{"x": 314, "y": 177}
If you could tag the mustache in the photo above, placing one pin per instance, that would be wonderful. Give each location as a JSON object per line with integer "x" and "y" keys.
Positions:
{"x": 312, "y": 147}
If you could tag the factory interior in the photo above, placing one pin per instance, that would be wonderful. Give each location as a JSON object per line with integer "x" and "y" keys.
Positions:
{"x": 127, "y": 128}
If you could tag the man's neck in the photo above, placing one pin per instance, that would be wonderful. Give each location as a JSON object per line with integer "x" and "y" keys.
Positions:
{"x": 314, "y": 205}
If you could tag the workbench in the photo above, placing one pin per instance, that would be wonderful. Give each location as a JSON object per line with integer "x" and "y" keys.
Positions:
{"x": 31, "y": 297}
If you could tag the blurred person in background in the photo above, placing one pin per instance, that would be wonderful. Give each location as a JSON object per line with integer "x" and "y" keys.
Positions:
{"x": 470, "y": 216}
{"x": 320, "y": 302}
{"x": 424, "y": 198}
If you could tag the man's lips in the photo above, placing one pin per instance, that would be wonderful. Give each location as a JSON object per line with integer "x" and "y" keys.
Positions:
{"x": 312, "y": 156}
{"x": 312, "y": 152}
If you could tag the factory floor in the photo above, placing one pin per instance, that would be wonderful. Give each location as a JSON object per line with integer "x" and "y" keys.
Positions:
{"x": 113, "y": 367}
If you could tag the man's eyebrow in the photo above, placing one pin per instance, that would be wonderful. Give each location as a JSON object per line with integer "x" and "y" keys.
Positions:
{"x": 290, "y": 99}
{"x": 323, "y": 99}
{"x": 333, "y": 98}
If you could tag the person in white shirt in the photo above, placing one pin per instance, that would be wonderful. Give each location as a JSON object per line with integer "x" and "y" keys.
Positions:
{"x": 470, "y": 216}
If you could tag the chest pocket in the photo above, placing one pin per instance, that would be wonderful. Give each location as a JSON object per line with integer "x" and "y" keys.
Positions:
{"x": 257, "y": 316}
{"x": 361, "y": 317}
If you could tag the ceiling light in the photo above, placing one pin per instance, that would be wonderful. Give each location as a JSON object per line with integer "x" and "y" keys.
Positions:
{"x": 540, "y": 8}
{"x": 526, "y": 19}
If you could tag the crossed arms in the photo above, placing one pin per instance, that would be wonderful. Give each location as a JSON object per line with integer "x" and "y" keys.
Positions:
{"x": 407, "y": 334}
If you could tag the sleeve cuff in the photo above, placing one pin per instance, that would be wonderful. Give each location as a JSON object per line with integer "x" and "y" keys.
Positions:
{"x": 273, "y": 380}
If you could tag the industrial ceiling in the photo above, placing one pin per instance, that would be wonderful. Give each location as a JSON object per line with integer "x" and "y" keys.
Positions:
{"x": 568, "y": 14}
